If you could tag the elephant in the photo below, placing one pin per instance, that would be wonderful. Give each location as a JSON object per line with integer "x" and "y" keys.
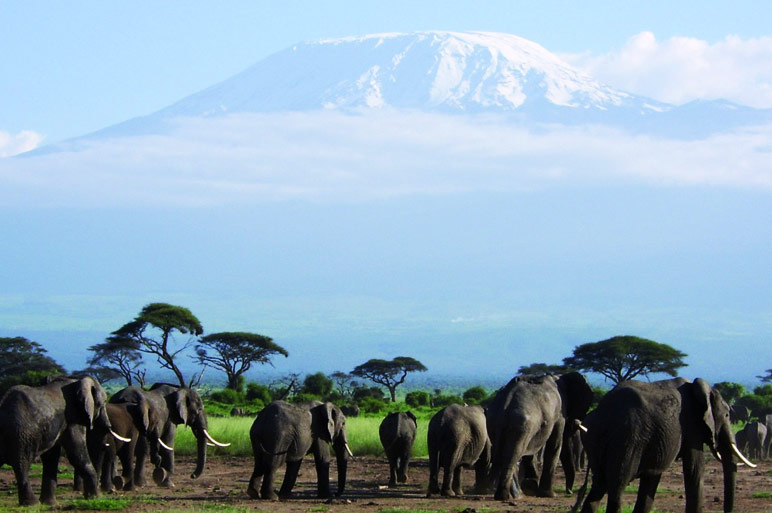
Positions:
{"x": 238, "y": 412}
{"x": 529, "y": 415}
{"x": 104, "y": 448}
{"x": 457, "y": 438}
{"x": 739, "y": 413}
{"x": 285, "y": 433}
{"x": 397, "y": 433}
{"x": 350, "y": 410}
{"x": 158, "y": 413}
{"x": 41, "y": 421}
{"x": 640, "y": 428}
{"x": 755, "y": 436}
{"x": 767, "y": 420}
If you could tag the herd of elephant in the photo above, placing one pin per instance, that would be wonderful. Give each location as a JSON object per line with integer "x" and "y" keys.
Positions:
{"x": 637, "y": 430}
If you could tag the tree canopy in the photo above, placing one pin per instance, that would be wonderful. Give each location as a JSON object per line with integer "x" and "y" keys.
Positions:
{"x": 625, "y": 357}
{"x": 153, "y": 331}
{"x": 121, "y": 355}
{"x": 389, "y": 373}
{"x": 234, "y": 353}
{"x": 539, "y": 369}
{"x": 23, "y": 361}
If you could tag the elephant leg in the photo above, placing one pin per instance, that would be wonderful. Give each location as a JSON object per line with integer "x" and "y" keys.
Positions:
{"x": 256, "y": 478}
{"x": 290, "y": 477}
{"x": 167, "y": 461}
{"x": 457, "y": 481}
{"x": 402, "y": 468}
{"x": 140, "y": 451}
{"x": 597, "y": 491}
{"x": 24, "y": 488}
{"x": 77, "y": 482}
{"x": 266, "y": 490}
{"x": 568, "y": 461}
{"x": 434, "y": 472}
{"x": 527, "y": 475}
{"x": 50, "y": 461}
{"x": 322, "y": 478}
{"x": 126, "y": 456}
{"x": 693, "y": 469}
{"x": 393, "y": 463}
{"x": 508, "y": 487}
{"x": 647, "y": 488}
{"x": 550, "y": 462}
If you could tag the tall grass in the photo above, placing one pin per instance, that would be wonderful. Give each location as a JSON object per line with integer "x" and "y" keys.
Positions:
{"x": 362, "y": 435}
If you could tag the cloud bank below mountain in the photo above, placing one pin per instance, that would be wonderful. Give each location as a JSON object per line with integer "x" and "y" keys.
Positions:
{"x": 328, "y": 156}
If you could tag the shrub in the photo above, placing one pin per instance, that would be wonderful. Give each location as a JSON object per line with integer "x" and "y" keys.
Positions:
{"x": 418, "y": 398}
{"x": 227, "y": 396}
{"x": 373, "y": 405}
{"x": 364, "y": 392}
{"x": 439, "y": 401}
{"x": 317, "y": 384}
{"x": 258, "y": 393}
{"x": 475, "y": 395}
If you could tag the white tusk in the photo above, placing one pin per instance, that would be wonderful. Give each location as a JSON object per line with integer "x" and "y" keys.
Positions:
{"x": 715, "y": 453}
{"x": 164, "y": 445}
{"x": 582, "y": 427}
{"x": 119, "y": 437}
{"x": 348, "y": 450}
{"x": 218, "y": 444}
{"x": 210, "y": 444}
{"x": 742, "y": 458}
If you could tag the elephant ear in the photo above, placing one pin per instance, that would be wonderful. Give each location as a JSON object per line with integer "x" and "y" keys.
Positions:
{"x": 86, "y": 401}
{"x": 413, "y": 417}
{"x": 140, "y": 414}
{"x": 179, "y": 407}
{"x": 576, "y": 395}
{"x": 704, "y": 412}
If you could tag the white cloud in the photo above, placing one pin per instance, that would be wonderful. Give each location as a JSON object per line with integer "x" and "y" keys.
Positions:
{"x": 330, "y": 156}
{"x": 13, "y": 144}
{"x": 681, "y": 69}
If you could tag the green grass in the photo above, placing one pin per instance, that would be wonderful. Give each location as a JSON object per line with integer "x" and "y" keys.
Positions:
{"x": 762, "y": 495}
{"x": 362, "y": 435}
{"x": 98, "y": 504}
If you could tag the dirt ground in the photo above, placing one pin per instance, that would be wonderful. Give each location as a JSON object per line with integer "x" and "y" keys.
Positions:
{"x": 225, "y": 479}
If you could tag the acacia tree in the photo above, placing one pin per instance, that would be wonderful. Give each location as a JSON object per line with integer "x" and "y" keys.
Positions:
{"x": 389, "y": 373}
{"x": 119, "y": 354}
{"x": 234, "y": 353}
{"x": 344, "y": 385}
{"x": 153, "y": 329}
{"x": 624, "y": 357}
{"x": 23, "y": 361}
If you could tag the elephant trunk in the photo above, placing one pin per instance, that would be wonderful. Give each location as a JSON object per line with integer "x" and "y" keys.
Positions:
{"x": 200, "y": 454}
{"x": 341, "y": 459}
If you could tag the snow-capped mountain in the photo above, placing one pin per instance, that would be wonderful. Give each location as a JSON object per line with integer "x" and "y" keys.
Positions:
{"x": 445, "y": 72}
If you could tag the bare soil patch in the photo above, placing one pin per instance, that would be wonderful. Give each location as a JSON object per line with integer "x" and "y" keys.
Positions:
{"x": 225, "y": 480}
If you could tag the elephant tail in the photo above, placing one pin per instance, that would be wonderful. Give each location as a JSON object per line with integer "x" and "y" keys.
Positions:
{"x": 582, "y": 492}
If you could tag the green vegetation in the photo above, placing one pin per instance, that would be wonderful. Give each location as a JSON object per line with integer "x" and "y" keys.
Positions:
{"x": 99, "y": 504}
{"x": 762, "y": 495}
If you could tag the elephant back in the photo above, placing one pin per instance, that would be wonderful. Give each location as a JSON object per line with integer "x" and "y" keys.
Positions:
{"x": 280, "y": 428}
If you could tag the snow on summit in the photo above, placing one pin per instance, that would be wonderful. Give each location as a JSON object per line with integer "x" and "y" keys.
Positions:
{"x": 441, "y": 71}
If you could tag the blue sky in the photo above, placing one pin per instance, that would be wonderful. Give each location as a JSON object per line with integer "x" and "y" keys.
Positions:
{"x": 622, "y": 234}
{"x": 69, "y": 68}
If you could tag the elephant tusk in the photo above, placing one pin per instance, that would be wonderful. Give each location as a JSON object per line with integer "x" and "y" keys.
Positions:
{"x": 218, "y": 444}
{"x": 164, "y": 445}
{"x": 580, "y": 426}
{"x": 119, "y": 437}
{"x": 348, "y": 450}
{"x": 210, "y": 444}
{"x": 742, "y": 458}
{"x": 715, "y": 453}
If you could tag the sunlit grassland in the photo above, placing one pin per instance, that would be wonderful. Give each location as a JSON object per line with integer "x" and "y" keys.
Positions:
{"x": 362, "y": 435}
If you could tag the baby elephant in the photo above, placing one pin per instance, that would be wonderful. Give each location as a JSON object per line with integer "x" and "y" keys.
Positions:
{"x": 397, "y": 434}
{"x": 458, "y": 437}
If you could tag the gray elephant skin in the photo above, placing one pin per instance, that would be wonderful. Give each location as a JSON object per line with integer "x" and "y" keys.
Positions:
{"x": 285, "y": 433}
{"x": 458, "y": 438}
{"x": 638, "y": 430}
{"x": 397, "y": 433}
{"x": 41, "y": 421}
{"x": 158, "y": 413}
{"x": 527, "y": 416}
{"x": 753, "y": 440}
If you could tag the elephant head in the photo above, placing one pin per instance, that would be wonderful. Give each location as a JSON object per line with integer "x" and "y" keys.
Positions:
{"x": 576, "y": 395}
{"x": 705, "y": 421}
{"x": 329, "y": 424}
{"x": 186, "y": 407}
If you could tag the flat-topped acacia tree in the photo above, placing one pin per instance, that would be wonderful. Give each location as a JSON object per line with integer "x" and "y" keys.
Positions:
{"x": 389, "y": 373}
{"x": 234, "y": 353}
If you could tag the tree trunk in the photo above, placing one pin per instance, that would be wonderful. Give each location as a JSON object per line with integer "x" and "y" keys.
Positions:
{"x": 393, "y": 393}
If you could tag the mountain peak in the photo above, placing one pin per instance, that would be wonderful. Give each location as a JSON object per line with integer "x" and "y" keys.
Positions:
{"x": 439, "y": 71}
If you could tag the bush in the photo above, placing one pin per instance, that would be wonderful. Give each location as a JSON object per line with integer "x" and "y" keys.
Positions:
{"x": 364, "y": 392}
{"x": 317, "y": 384}
{"x": 258, "y": 393}
{"x": 418, "y": 398}
{"x": 227, "y": 396}
{"x": 439, "y": 401}
{"x": 373, "y": 405}
{"x": 475, "y": 395}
